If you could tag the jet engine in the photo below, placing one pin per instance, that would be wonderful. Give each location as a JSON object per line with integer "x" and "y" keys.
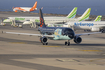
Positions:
{"x": 43, "y": 40}
{"x": 77, "y": 39}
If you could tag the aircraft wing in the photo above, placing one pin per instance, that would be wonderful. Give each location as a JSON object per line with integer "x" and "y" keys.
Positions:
{"x": 39, "y": 35}
{"x": 87, "y": 33}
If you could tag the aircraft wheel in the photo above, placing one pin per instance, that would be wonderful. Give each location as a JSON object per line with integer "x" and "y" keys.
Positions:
{"x": 68, "y": 43}
{"x": 46, "y": 43}
{"x": 102, "y": 30}
{"x": 43, "y": 43}
{"x": 65, "y": 43}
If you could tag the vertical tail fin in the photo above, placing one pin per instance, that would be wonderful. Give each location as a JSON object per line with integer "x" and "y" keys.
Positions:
{"x": 98, "y": 18}
{"x": 72, "y": 14}
{"x": 42, "y": 24}
{"x": 34, "y": 7}
{"x": 85, "y": 15}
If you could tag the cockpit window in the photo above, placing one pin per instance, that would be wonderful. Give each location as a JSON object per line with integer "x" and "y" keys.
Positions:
{"x": 68, "y": 30}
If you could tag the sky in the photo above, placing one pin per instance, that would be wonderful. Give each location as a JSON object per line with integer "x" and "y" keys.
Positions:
{"x": 57, "y": 6}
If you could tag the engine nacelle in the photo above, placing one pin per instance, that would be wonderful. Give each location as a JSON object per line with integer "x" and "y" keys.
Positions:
{"x": 43, "y": 39}
{"x": 77, "y": 40}
{"x": 95, "y": 29}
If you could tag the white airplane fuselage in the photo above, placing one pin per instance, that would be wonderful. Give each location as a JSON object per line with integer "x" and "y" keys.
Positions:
{"x": 52, "y": 19}
{"x": 26, "y": 9}
{"x": 27, "y": 20}
{"x": 86, "y": 25}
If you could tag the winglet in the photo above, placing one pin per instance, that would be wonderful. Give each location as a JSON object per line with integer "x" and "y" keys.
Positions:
{"x": 72, "y": 14}
{"x": 98, "y": 18}
{"x": 42, "y": 23}
{"x": 85, "y": 15}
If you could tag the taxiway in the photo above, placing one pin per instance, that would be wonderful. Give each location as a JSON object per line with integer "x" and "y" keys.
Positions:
{"x": 19, "y": 52}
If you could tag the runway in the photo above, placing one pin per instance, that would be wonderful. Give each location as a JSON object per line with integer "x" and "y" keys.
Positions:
{"x": 19, "y": 52}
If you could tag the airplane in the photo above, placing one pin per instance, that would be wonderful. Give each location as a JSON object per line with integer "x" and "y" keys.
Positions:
{"x": 98, "y": 18}
{"x": 25, "y": 9}
{"x": 29, "y": 20}
{"x": 54, "y": 20}
{"x": 55, "y": 33}
{"x": 96, "y": 25}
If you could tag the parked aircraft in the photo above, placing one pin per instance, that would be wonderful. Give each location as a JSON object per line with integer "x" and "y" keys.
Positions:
{"x": 31, "y": 20}
{"x": 52, "y": 19}
{"x": 71, "y": 15}
{"x": 96, "y": 25}
{"x": 25, "y": 9}
{"x": 55, "y": 33}
{"x": 98, "y": 18}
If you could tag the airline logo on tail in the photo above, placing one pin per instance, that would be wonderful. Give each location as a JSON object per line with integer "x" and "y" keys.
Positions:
{"x": 85, "y": 15}
{"x": 72, "y": 14}
{"x": 25, "y": 9}
{"x": 98, "y": 18}
{"x": 34, "y": 7}
{"x": 42, "y": 24}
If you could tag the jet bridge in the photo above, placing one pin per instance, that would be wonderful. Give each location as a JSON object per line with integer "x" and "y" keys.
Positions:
{"x": 30, "y": 22}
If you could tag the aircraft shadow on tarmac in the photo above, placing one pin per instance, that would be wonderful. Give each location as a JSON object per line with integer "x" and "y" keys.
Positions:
{"x": 39, "y": 43}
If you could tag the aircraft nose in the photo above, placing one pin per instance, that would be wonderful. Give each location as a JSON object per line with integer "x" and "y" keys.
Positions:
{"x": 69, "y": 34}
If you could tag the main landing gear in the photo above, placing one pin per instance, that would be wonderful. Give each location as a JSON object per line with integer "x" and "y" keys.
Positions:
{"x": 67, "y": 42}
{"x": 45, "y": 43}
